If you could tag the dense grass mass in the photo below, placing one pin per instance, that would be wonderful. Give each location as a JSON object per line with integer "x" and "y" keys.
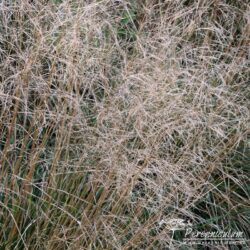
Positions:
{"x": 118, "y": 117}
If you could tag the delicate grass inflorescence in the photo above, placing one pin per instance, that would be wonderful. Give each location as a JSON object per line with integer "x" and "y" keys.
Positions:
{"x": 117, "y": 116}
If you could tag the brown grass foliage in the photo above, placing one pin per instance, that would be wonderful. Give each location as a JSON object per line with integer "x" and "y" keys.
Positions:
{"x": 116, "y": 115}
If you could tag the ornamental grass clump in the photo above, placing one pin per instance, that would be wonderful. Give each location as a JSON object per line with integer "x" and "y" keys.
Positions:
{"x": 119, "y": 117}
